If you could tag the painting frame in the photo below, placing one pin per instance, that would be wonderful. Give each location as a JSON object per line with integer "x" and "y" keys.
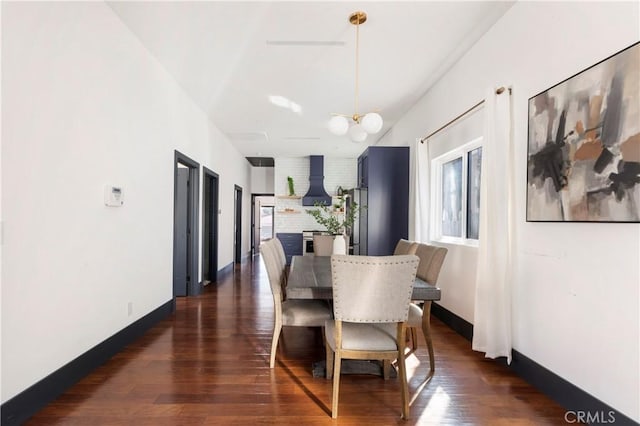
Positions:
{"x": 583, "y": 145}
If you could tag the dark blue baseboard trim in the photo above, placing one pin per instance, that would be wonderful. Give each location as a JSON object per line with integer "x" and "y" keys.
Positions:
{"x": 575, "y": 400}
{"x": 225, "y": 271}
{"x": 195, "y": 288}
{"x": 459, "y": 325}
{"x": 24, "y": 405}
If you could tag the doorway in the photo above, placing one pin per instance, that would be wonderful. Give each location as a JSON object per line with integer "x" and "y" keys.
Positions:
{"x": 185, "y": 226}
{"x": 237, "y": 234}
{"x": 210, "y": 200}
{"x": 262, "y": 208}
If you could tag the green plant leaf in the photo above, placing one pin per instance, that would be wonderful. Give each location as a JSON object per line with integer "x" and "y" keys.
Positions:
{"x": 330, "y": 218}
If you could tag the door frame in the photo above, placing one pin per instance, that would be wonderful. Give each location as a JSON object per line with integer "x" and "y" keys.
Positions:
{"x": 254, "y": 250}
{"x": 237, "y": 210}
{"x": 210, "y": 212}
{"x": 194, "y": 287}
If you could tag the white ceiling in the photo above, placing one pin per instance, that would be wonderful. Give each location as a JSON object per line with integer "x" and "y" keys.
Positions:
{"x": 231, "y": 56}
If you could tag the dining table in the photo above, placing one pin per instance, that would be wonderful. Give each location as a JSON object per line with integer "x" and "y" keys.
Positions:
{"x": 310, "y": 278}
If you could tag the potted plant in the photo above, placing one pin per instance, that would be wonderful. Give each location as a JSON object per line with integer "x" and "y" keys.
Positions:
{"x": 335, "y": 218}
{"x": 292, "y": 192}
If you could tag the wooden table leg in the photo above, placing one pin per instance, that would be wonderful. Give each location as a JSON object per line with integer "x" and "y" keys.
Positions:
{"x": 426, "y": 330}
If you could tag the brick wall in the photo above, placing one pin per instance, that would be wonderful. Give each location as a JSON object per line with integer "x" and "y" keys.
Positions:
{"x": 337, "y": 172}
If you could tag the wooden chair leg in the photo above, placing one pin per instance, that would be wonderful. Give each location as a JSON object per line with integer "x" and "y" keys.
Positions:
{"x": 386, "y": 369}
{"x": 402, "y": 372}
{"x": 329, "y": 360}
{"x": 336, "y": 386}
{"x": 426, "y": 330}
{"x": 274, "y": 343}
{"x": 414, "y": 339}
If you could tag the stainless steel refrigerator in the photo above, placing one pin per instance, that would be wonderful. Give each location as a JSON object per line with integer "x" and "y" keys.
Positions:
{"x": 358, "y": 233}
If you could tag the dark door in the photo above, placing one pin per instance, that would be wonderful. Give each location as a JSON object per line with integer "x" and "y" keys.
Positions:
{"x": 237, "y": 240}
{"x": 255, "y": 224}
{"x": 181, "y": 237}
{"x": 185, "y": 226}
{"x": 210, "y": 226}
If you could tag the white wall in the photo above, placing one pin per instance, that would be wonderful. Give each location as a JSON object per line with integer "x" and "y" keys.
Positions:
{"x": 576, "y": 294}
{"x": 262, "y": 180}
{"x": 337, "y": 172}
{"x": 84, "y": 105}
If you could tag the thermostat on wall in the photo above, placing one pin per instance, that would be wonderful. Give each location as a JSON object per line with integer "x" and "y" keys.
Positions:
{"x": 113, "y": 196}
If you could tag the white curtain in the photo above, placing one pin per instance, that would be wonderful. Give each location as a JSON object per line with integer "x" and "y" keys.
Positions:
{"x": 492, "y": 316}
{"x": 420, "y": 183}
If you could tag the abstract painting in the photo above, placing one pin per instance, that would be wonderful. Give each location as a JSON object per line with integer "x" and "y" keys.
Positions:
{"x": 584, "y": 145}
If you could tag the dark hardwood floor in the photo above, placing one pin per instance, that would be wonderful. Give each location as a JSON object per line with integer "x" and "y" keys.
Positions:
{"x": 209, "y": 365}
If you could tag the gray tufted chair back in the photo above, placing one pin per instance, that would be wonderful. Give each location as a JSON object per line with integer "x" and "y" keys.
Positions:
{"x": 322, "y": 245}
{"x": 282, "y": 258}
{"x": 275, "y": 270}
{"x": 405, "y": 247}
{"x": 372, "y": 288}
{"x": 431, "y": 259}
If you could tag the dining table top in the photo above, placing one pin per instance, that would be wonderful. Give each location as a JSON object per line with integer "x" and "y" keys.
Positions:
{"x": 310, "y": 278}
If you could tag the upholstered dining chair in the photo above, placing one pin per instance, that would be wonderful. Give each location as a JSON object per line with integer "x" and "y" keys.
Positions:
{"x": 405, "y": 247}
{"x": 322, "y": 245}
{"x": 371, "y": 296}
{"x": 431, "y": 260}
{"x": 292, "y": 312}
{"x": 282, "y": 257}
{"x": 282, "y": 261}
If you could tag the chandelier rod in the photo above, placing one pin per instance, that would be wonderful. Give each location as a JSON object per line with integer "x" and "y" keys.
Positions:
{"x": 356, "y": 125}
{"x": 356, "y": 117}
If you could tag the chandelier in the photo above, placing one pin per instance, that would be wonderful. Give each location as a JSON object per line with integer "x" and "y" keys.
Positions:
{"x": 357, "y": 126}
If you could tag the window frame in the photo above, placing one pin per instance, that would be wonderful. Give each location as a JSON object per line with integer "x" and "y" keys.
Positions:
{"x": 436, "y": 166}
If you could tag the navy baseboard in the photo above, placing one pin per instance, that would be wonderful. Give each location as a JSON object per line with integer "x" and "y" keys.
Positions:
{"x": 195, "y": 288}
{"x": 459, "y": 325}
{"x": 24, "y": 405}
{"x": 575, "y": 400}
{"x": 225, "y": 271}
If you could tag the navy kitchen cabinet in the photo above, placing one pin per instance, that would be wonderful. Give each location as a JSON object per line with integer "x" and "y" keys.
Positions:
{"x": 292, "y": 244}
{"x": 383, "y": 177}
{"x": 363, "y": 168}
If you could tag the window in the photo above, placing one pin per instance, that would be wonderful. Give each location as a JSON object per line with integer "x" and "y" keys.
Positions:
{"x": 451, "y": 222}
{"x": 474, "y": 166}
{"x": 455, "y": 194}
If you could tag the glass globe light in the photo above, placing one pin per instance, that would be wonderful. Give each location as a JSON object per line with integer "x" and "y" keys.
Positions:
{"x": 372, "y": 123}
{"x": 357, "y": 133}
{"x": 338, "y": 125}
